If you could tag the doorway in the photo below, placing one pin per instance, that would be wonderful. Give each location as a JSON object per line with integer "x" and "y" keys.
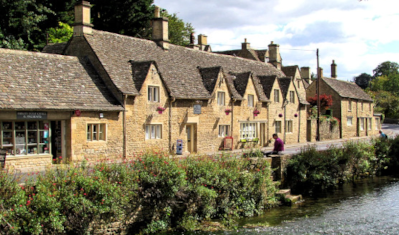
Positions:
{"x": 191, "y": 138}
{"x": 262, "y": 135}
{"x": 57, "y": 139}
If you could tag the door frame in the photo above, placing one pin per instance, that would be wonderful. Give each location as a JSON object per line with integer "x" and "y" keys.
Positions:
{"x": 192, "y": 145}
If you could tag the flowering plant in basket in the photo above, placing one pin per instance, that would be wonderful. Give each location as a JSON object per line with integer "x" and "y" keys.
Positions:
{"x": 160, "y": 109}
{"x": 227, "y": 111}
{"x": 256, "y": 112}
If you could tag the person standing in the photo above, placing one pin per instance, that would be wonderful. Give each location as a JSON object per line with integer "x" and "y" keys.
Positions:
{"x": 278, "y": 146}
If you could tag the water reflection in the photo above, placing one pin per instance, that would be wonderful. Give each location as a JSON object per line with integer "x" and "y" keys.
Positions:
{"x": 368, "y": 207}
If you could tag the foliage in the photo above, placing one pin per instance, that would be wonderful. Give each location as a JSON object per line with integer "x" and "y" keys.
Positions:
{"x": 363, "y": 80}
{"x": 179, "y": 31}
{"x": 386, "y": 68}
{"x": 385, "y": 91}
{"x": 60, "y": 34}
{"x": 311, "y": 170}
{"x": 325, "y": 101}
{"x": 147, "y": 195}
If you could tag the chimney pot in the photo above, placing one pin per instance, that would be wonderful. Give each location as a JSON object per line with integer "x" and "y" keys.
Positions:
{"x": 321, "y": 72}
{"x": 333, "y": 69}
{"x": 157, "y": 12}
{"x": 274, "y": 55}
{"x": 82, "y": 23}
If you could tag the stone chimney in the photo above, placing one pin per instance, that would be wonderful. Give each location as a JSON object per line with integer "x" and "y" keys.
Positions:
{"x": 202, "y": 42}
{"x": 82, "y": 19}
{"x": 160, "y": 29}
{"x": 333, "y": 70}
{"x": 305, "y": 74}
{"x": 274, "y": 55}
{"x": 245, "y": 45}
{"x": 192, "y": 43}
{"x": 321, "y": 72}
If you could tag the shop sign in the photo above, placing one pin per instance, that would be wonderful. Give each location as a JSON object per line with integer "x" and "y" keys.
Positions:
{"x": 197, "y": 109}
{"x": 32, "y": 115}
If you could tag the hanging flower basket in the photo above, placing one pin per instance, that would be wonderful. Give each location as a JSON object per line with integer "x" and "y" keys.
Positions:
{"x": 160, "y": 109}
{"x": 227, "y": 111}
{"x": 256, "y": 112}
{"x": 280, "y": 115}
{"x": 296, "y": 115}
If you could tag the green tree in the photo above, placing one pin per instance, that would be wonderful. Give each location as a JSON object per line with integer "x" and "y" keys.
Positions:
{"x": 60, "y": 34}
{"x": 386, "y": 68}
{"x": 363, "y": 80}
{"x": 179, "y": 31}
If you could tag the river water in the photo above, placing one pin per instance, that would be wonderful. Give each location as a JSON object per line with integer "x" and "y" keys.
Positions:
{"x": 369, "y": 206}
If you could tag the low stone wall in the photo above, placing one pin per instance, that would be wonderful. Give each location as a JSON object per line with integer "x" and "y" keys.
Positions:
{"x": 327, "y": 130}
{"x": 279, "y": 162}
{"x": 17, "y": 162}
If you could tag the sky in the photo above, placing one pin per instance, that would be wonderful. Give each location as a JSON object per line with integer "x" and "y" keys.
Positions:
{"x": 358, "y": 35}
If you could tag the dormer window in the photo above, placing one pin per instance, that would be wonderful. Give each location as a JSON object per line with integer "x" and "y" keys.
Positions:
{"x": 153, "y": 94}
{"x": 276, "y": 95}
{"x": 250, "y": 100}
{"x": 221, "y": 98}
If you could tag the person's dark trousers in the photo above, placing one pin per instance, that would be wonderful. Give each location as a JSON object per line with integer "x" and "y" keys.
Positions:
{"x": 270, "y": 153}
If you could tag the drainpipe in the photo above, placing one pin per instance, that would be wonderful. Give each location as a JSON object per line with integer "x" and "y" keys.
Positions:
{"x": 299, "y": 124}
{"x": 124, "y": 127}
{"x": 285, "y": 118}
{"x": 232, "y": 115}
{"x": 268, "y": 123}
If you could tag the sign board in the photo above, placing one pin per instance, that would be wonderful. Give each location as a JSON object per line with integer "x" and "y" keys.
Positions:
{"x": 197, "y": 109}
{"x": 32, "y": 115}
{"x": 228, "y": 143}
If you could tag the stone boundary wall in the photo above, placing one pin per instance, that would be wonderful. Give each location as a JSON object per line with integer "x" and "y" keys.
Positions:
{"x": 327, "y": 131}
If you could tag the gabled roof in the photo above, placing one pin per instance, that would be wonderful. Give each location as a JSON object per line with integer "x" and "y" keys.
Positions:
{"x": 267, "y": 83}
{"x": 290, "y": 71}
{"x": 230, "y": 84}
{"x": 284, "y": 86}
{"x": 241, "y": 82}
{"x": 39, "y": 81}
{"x": 305, "y": 84}
{"x": 178, "y": 65}
{"x": 140, "y": 72}
{"x": 57, "y": 48}
{"x": 347, "y": 89}
{"x": 210, "y": 77}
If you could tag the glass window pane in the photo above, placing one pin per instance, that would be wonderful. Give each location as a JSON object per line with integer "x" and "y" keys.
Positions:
{"x": 149, "y": 93}
{"x": 88, "y": 132}
{"x": 147, "y": 132}
{"x": 95, "y": 128}
{"x": 102, "y": 132}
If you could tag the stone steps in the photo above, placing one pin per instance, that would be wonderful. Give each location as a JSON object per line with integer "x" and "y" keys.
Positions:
{"x": 287, "y": 198}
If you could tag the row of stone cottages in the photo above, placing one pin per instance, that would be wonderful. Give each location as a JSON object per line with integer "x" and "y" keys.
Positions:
{"x": 111, "y": 96}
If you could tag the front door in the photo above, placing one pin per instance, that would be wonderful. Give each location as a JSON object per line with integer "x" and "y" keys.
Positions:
{"x": 262, "y": 135}
{"x": 190, "y": 138}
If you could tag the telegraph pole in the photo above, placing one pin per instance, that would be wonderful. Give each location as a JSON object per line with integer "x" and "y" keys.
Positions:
{"x": 318, "y": 96}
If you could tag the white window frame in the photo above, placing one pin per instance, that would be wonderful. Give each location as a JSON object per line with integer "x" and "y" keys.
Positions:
{"x": 369, "y": 124}
{"x": 350, "y": 105}
{"x": 361, "y": 124}
{"x": 277, "y": 128}
{"x": 289, "y": 126}
{"x": 292, "y": 97}
{"x": 221, "y": 98}
{"x": 153, "y": 94}
{"x": 248, "y": 130}
{"x": 377, "y": 121}
{"x": 349, "y": 121}
{"x": 96, "y": 132}
{"x": 224, "y": 130}
{"x": 153, "y": 131}
{"x": 276, "y": 95}
{"x": 251, "y": 99}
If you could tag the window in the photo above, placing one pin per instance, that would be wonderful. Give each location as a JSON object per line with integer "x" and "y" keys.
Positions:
{"x": 288, "y": 126}
{"x": 292, "y": 97}
{"x": 153, "y": 132}
{"x": 361, "y": 124}
{"x": 250, "y": 100}
{"x": 277, "y": 126}
{"x": 224, "y": 130}
{"x": 276, "y": 95}
{"x": 25, "y": 137}
{"x": 95, "y": 132}
{"x": 248, "y": 130}
{"x": 349, "y": 105}
{"x": 377, "y": 123}
{"x": 153, "y": 93}
{"x": 221, "y": 98}
{"x": 369, "y": 120}
{"x": 349, "y": 121}
{"x": 299, "y": 84}
{"x": 361, "y": 106}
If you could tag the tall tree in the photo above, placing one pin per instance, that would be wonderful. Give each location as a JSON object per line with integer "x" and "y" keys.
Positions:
{"x": 363, "y": 80}
{"x": 179, "y": 31}
{"x": 386, "y": 68}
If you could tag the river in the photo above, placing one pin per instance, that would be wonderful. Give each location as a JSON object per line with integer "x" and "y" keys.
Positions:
{"x": 369, "y": 206}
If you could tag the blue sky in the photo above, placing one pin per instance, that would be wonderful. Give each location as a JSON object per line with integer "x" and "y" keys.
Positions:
{"x": 358, "y": 35}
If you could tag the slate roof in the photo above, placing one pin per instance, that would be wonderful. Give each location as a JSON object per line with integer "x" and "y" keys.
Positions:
{"x": 39, "y": 81}
{"x": 347, "y": 89}
{"x": 289, "y": 71}
{"x": 305, "y": 84}
{"x": 178, "y": 65}
{"x": 57, "y": 48}
{"x": 284, "y": 86}
{"x": 241, "y": 83}
{"x": 267, "y": 83}
{"x": 139, "y": 72}
{"x": 209, "y": 77}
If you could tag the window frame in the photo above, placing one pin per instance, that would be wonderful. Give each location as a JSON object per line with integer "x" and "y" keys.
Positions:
{"x": 350, "y": 105}
{"x": 153, "y": 94}
{"x": 248, "y": 134}
{"x": 276, "y": 96}
{"x": 224, "y": 131}
{"x": 377, "y": 121}
{"x": 299, "y": 84}
{"x": 278, "y": 130}
{"x": 100, "y": 132}
{"x": 292, "y": 97}
{"x": 221, "y": 98}
{"x": 251, "y": 100}
{"x": 289, "y": 125}
{"x": 153, "y": 131}
{"x": 361, "y": 125}
{"x": 351, "y": 121}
